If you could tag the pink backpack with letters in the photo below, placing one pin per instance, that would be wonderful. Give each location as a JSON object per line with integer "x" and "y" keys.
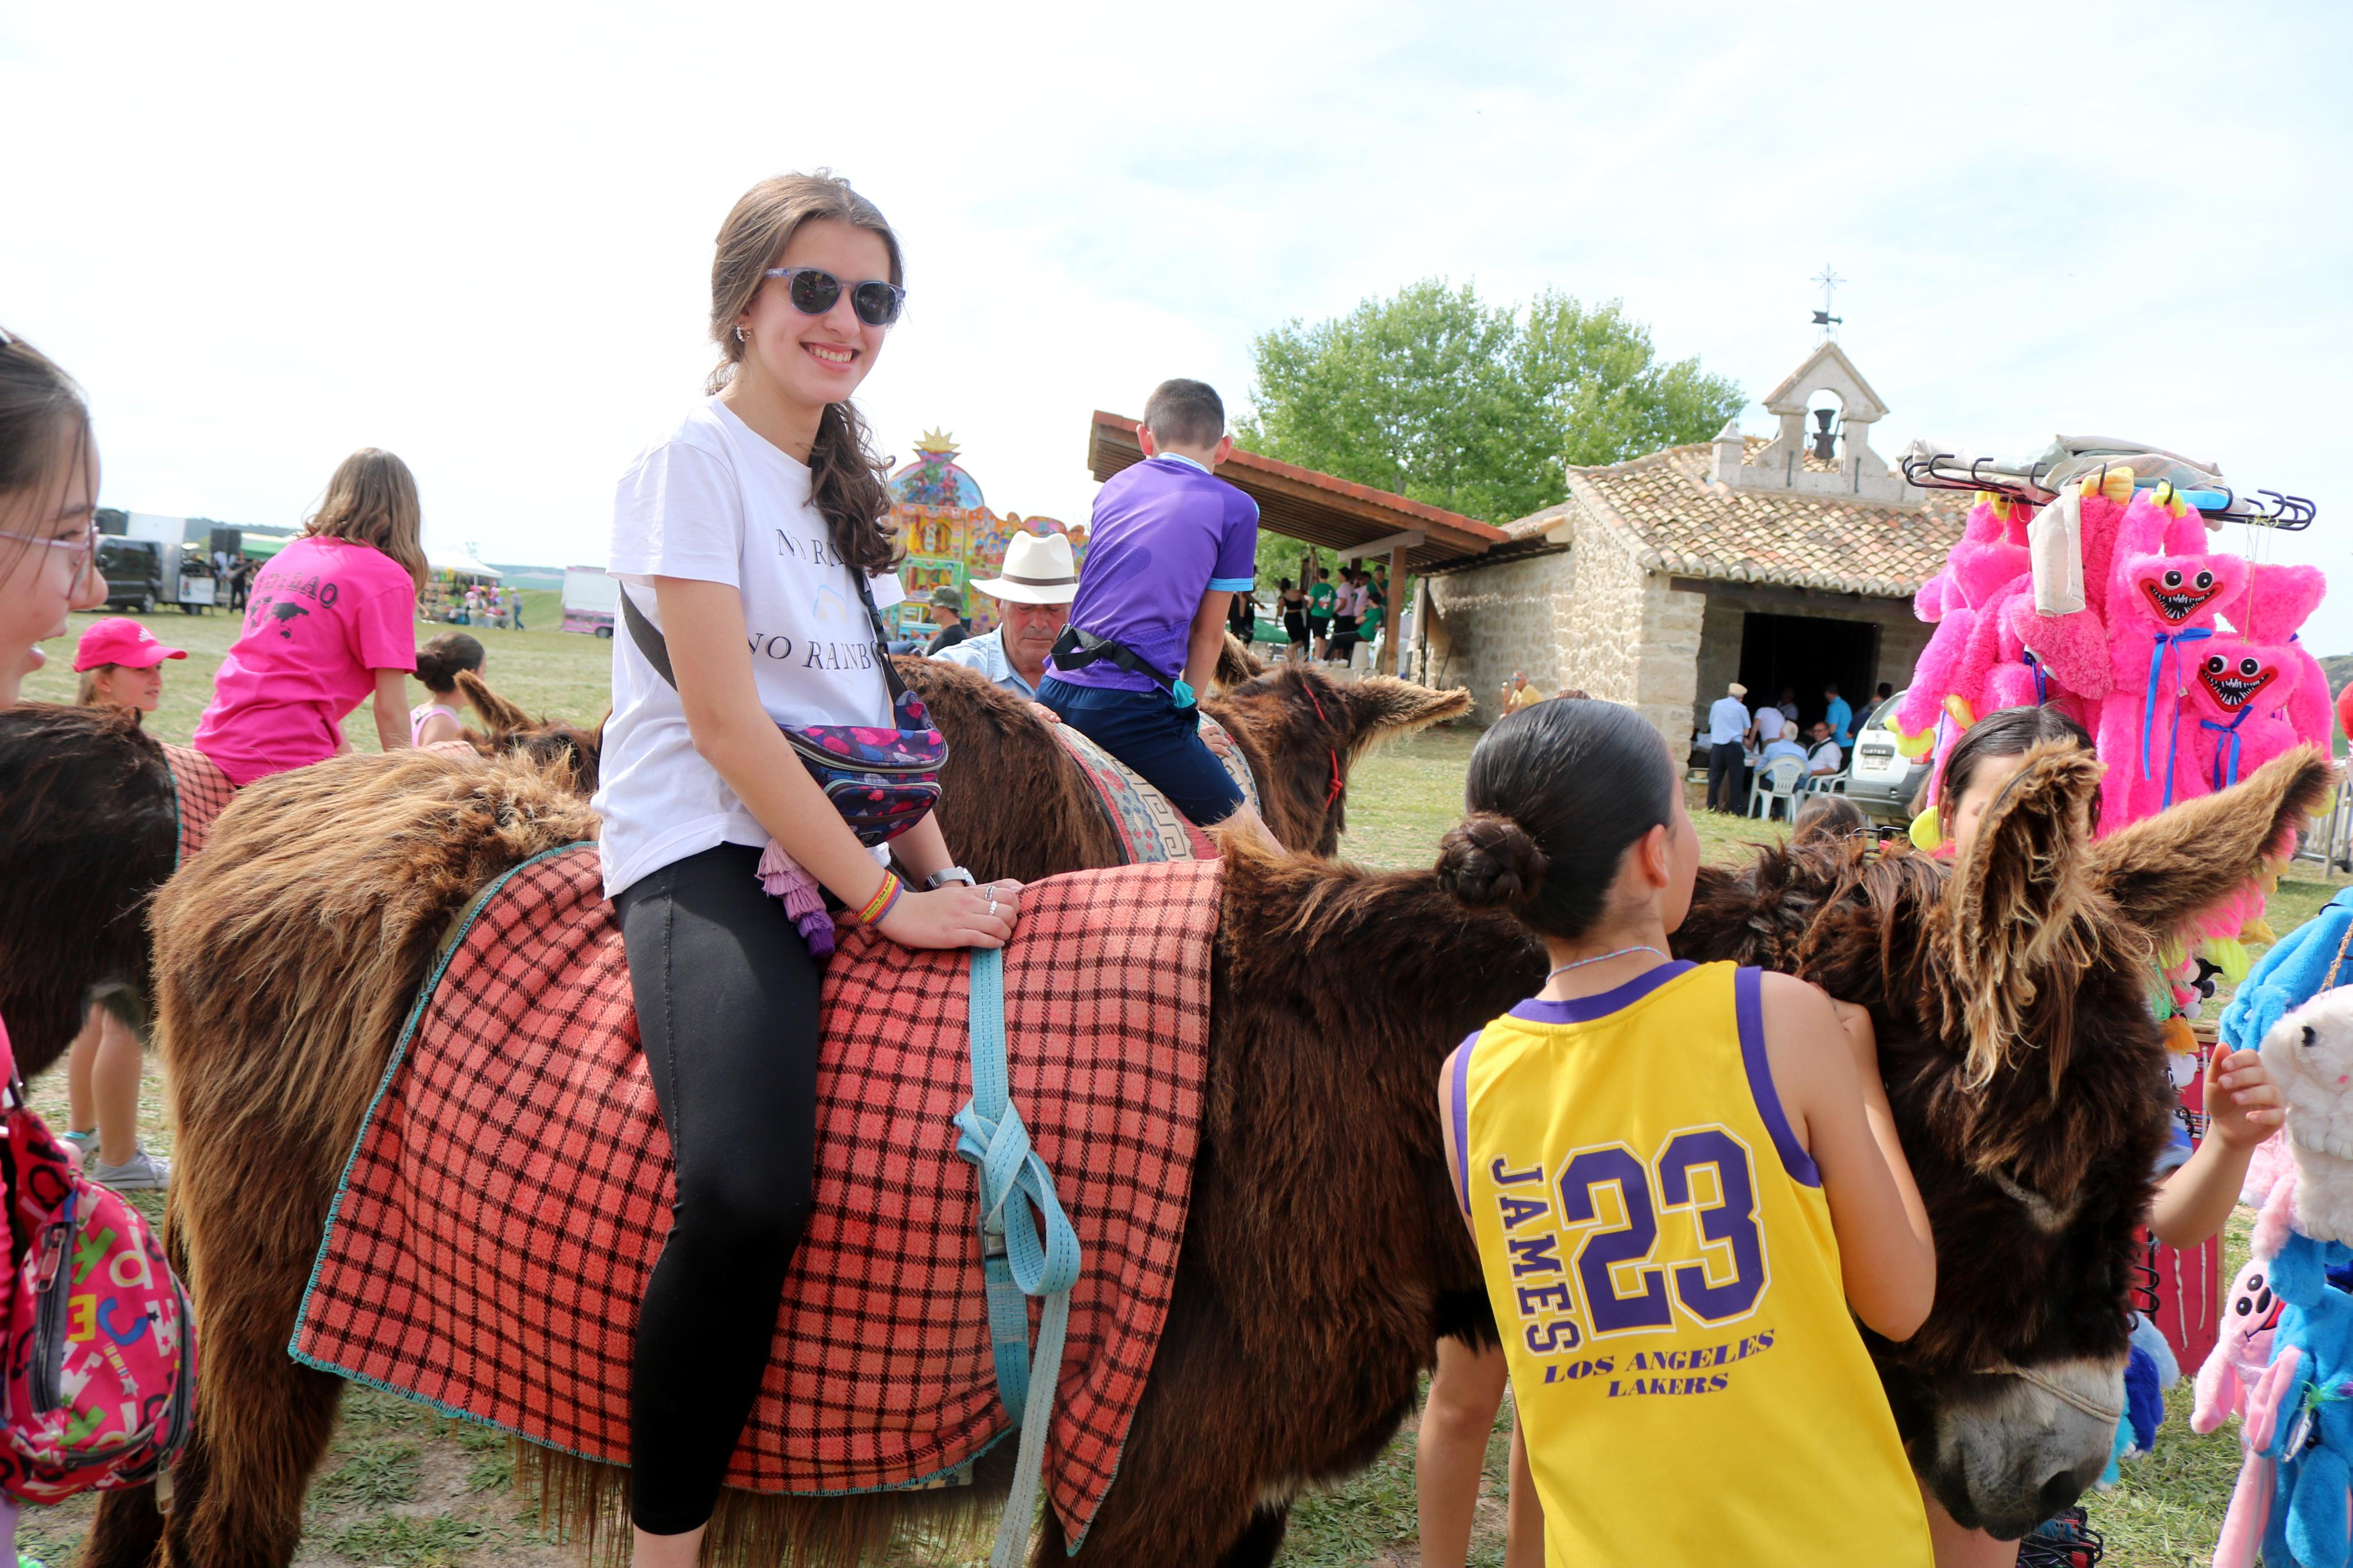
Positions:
{"x": 100, "y": 1380}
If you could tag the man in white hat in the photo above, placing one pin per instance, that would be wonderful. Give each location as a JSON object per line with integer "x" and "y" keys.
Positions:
{"x": 1727, "y": 728}
{"x": 1033, "y": 593}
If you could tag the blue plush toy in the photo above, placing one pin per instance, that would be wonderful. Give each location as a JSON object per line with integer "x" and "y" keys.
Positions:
{"x": 2313, "y": 1439}
{"x": 2289, "y": 976}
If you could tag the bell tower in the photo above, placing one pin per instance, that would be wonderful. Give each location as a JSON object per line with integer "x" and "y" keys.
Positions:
{"x": 1833, "y": 459}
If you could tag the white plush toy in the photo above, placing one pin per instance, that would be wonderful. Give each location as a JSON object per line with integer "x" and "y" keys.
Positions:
{"x": 2310, "y": 1053}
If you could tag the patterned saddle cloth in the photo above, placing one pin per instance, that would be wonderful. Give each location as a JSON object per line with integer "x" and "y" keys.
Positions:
{"x": 505, "y": 1202}
{"x": 203, "y": 792}
{"x": 1149, "y": 827}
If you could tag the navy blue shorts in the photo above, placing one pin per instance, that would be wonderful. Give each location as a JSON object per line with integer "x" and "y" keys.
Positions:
{"x": 1144, "y": 730}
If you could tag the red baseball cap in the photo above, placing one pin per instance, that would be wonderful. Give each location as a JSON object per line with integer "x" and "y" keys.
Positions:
{"x": 119, "y": 639}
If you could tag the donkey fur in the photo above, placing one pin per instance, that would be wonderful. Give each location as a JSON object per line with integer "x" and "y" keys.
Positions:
{"x": 86, "y": 833}
{"x": 1013, "y": 804}
{"x": 2025, "y": 1076}
{"x": 1320, "y": 1233}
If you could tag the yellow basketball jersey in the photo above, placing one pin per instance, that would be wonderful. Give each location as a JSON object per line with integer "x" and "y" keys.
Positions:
{"x": 1655, "y": 1241}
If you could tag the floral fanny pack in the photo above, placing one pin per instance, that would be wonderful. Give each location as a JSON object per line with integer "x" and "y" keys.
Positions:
{"x": 884, "y": 782}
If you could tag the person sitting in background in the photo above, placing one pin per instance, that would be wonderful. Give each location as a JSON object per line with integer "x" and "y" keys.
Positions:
{"x": 1033, "y": 592}
{"x": 947, "y": 614}
{"x": 1823, "y": 816}
{"x": 1518, "y": 693}
{"x": 1825, "y": 758}
{"x": 1781, "y": 745}
{"x": 435, "y": 720}
{"x": 120, "y": 662}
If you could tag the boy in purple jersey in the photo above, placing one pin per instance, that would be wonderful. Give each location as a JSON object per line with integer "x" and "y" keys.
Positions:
{"x": 1170, "y": 547}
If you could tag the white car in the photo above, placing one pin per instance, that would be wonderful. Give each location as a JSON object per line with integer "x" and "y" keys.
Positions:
{"x": 1881, "y": 780}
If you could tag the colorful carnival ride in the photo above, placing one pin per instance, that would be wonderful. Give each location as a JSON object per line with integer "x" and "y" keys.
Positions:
{"x": 951, "y": 537}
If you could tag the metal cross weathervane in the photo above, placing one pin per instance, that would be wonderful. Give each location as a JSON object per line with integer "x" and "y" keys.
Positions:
{"x": 1829, "y": 280}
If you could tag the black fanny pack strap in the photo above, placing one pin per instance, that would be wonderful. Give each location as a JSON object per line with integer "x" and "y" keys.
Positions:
{"x": 1075, "y": 650}
{"x": 651, "y": 644}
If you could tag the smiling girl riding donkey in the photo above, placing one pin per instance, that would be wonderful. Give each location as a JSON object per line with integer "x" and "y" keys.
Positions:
{"x": 1737, "y": 1113}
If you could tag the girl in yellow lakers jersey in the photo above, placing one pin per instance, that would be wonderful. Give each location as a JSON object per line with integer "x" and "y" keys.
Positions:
{"x": 1681, "y": 1178}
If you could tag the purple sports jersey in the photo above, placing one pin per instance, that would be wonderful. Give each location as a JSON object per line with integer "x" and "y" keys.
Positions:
{"x": 1166, "y": 532}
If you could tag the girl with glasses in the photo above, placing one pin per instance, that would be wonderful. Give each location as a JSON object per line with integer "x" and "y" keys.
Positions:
{"x": 48, "y": 501}
{"x": 747, "y": 542}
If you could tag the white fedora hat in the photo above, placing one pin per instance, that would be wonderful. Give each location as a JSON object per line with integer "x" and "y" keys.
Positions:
{"x": 1038, "y": 571}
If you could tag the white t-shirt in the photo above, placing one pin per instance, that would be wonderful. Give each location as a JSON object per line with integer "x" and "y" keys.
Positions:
{"x": 1826, "y": 759}
{"x": 714, "y": 503}
{"x": 1769, "y": 725}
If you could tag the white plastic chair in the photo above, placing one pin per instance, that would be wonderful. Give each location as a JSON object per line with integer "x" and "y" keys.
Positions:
{"x": 1831, "y": 784}
{"x": 1778, "y": 780}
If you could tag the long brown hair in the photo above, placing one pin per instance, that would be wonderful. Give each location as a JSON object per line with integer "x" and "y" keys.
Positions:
{"x": 372, "y": 501}
{"x": 846, "y": 475}
{"x": 44, "y": 431}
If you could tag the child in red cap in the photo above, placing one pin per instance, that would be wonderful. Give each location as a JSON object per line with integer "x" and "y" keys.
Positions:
{"x": 120, "y": 662}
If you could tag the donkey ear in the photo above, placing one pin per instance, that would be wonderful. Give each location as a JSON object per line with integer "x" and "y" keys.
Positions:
{"x": 1384, "y": 707}
{"x": 1237, "y": 664}
{"x": 2166, "y": 869}
{"x": 2016, "y": 902}
{"x": 499, "y": 713}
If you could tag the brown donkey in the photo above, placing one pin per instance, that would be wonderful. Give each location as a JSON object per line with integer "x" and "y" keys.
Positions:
{"x": 1320, "y": 1238}
{"x": 2029, "y": 1082}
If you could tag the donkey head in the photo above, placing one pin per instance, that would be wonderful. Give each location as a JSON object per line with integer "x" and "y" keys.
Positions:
{"x": 2038, "y": 1098}
{"x": 542, "y": 740}
{"x": 1302, "y": 731}
{"x": 2028, "y": 1082}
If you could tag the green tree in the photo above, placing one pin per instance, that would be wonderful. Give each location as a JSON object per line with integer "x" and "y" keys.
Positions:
{"x": 1437, "y": 397}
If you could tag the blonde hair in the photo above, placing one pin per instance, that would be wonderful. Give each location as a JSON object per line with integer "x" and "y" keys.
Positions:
{"x": 86, "y": 693}
{"x": 845, "y": 476}
{"x": 372, "y": 501}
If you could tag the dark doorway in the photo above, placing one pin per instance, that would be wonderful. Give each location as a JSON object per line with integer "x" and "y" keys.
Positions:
{"x": 1804, "y": 652}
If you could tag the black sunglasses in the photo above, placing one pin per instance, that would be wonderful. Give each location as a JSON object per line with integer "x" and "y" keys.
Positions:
{"x": 812, "y": 291}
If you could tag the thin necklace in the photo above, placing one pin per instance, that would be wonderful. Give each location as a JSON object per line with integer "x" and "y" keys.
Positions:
{"x": 1605, "y": 958}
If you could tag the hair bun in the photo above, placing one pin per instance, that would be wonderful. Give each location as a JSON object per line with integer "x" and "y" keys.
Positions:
{"x": 1490, "y": 862}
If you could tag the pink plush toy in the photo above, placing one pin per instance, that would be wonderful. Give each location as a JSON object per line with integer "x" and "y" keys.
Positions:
{"x": 1954, "y": 664}
{"x": 2240, "y": 1379}
{"x": 2231, "y": 720}
{"x": 2160, "y": 611}
{"x": 2278, "y": 601}
{"x": 2074, "y": 648}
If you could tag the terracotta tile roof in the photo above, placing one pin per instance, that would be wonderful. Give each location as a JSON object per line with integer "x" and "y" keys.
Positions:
{"x": 1301, "y": 504}
{"x": 1674, "y": 517}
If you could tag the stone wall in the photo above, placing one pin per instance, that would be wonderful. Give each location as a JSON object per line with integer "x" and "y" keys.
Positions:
{"x": 1591, "y": 619}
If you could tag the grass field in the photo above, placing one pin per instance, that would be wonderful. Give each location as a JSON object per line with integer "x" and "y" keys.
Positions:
{"x": 402, "y": 1487}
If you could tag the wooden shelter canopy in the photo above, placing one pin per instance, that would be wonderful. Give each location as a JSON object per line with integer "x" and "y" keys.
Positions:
{"x": 1300, "y": 503}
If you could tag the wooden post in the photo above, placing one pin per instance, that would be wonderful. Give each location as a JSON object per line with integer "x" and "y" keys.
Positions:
{"x": 1393, "y": 614}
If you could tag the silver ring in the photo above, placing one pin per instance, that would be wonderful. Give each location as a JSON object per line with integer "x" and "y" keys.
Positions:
{"x": 992, "y": 903}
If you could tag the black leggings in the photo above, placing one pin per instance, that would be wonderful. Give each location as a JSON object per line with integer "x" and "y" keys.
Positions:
{"x": 727, "y": 1005}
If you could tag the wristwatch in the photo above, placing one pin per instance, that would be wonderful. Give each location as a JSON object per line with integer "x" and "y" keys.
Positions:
{"x": 953, "y": 874}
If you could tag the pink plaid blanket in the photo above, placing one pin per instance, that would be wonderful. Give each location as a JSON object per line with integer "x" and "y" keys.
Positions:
{"x": 504, "y": 1205}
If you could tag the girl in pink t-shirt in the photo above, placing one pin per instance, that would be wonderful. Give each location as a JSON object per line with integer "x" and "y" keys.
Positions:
{"x": 330, "y": 622}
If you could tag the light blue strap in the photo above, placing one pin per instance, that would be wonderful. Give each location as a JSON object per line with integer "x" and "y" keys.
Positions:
{"x": 1016, "y": 1261}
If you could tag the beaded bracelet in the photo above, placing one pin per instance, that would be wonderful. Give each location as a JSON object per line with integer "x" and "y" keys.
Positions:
{"x": 884, "y": 897}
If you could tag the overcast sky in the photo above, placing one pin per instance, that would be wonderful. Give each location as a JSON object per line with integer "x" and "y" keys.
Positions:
{"x": 479, "y": 234}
